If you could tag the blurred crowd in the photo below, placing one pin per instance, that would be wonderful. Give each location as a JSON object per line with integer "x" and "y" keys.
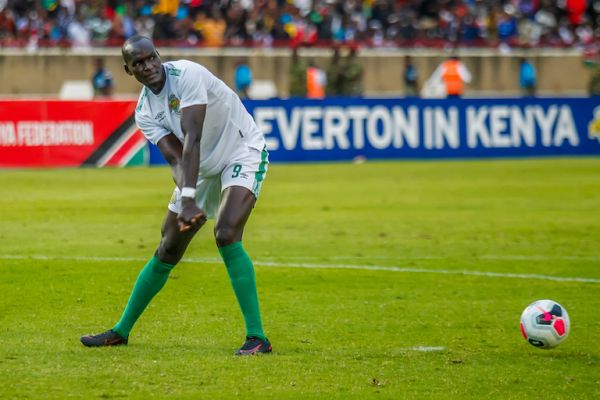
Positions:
{"x": 376, "y": 23}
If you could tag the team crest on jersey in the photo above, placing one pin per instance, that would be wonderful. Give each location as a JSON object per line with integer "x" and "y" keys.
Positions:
{"x": 174, "y": 104}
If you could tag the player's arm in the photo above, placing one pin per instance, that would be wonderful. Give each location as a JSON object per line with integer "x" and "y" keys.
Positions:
{"x": 192, "y": 121}
{"x": 171, "y": 149}
{"x": 168, "y": 144}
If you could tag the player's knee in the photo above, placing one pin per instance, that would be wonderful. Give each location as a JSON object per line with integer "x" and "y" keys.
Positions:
{"x": 169, "y": 252}
{"x": 225, "y": 235}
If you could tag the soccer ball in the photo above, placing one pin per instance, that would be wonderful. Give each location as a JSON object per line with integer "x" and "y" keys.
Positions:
{"x": 545, "y": 324}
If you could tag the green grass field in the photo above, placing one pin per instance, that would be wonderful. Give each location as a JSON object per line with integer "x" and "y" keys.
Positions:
{"x": 360, "y": 269}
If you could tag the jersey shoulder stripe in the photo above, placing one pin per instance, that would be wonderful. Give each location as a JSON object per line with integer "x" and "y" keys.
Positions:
{"x": 140, "y": 103}
{"x": 174, "y": 71}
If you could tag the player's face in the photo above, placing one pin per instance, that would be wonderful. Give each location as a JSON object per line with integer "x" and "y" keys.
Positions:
{"x": 145, "y": 65}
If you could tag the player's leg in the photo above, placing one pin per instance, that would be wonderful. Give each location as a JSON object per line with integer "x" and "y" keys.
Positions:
{"x": 154, "y": 275}
{"x": 150, "y": 281}
{"x": 236, "y": 205}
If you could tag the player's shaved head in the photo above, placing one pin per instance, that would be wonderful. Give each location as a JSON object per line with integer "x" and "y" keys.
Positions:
{"x": 142, "y": 61}
{"x": 133, "y": 43}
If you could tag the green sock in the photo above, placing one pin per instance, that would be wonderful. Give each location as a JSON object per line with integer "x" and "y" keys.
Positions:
{"x": 241, "y": 273}
{"x": 149, "y": 282}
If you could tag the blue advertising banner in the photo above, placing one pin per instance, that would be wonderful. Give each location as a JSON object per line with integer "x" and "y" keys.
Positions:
{"x": 345, "y": 128}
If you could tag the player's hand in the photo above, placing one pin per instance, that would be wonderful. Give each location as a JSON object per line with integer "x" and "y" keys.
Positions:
{"x": 190, "y": 215}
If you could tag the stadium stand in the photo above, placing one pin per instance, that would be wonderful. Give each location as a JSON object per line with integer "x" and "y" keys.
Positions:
{"x": 266, "y": 23}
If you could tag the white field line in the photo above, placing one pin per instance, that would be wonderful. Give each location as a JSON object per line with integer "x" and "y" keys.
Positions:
{"x": 214, "y": 260}
{"x": 508, "y": 257}
{"x": 538, "y": 257}
{"x": 415, "y": 257}
{"x": 431, "y": 271}
{"x": 425, "y": 349}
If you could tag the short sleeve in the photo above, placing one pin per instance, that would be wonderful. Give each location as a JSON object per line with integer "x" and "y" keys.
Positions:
{"x": 151, "y": 130}
{"x": 192, "y": 86}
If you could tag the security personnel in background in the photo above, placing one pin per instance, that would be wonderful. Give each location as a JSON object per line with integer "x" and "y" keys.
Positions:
{"x": 242, "y": 79}
{"x": 594, "y": 85}
{"x": 352, "y": 73}
{"x": 334, "y": 74}
{"x": 316, "y": 81}
{"x": 298, "y": 68}
{"x": 102, "y": 80}
{"x": 527, "y": 78}
{"x": 411, "y": 78}
{"x": 453, "y": 74}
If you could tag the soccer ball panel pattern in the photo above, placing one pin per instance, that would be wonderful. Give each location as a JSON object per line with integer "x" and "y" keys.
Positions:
{"x": 545, "y": 324}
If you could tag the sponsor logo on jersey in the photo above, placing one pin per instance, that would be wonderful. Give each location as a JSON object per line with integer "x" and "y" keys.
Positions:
{"x": 174, "y": 104}
{"x": 160, "y": 116}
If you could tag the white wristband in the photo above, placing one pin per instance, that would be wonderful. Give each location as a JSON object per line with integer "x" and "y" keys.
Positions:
{"x": 188, "y": 192}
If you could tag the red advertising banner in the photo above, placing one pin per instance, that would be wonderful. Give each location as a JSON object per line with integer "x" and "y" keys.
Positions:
{"x": 57, "y": 133}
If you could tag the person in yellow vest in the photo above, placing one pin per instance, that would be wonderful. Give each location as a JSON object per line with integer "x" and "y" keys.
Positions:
{"x": 453, "y": 74}
{"x": 166, "y": 7}
{"x": 316, "y": 81}
{"x": 164, "y": 12}
{"x": 211, "y": 27}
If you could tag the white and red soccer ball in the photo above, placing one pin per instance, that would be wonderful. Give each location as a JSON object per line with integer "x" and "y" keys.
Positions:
{"x": 545, "y": 324}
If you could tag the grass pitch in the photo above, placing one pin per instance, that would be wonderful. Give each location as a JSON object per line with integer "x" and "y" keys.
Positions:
{"x": 382, "y": 280}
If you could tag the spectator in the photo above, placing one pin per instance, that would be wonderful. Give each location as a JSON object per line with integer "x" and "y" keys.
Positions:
{"x": 264, "y": 22}
{"x": 575, "y": 10}
{"x": 527, "y": 78}
{"x": 507, "y": 24}
{"x": 236, "y": 23}
{"x": 453, "y": 74}
{"x": 102, "y": 80}
{"x": 411, "y": 84}
{"x": 123, "y": 25}
{"x": 78, "y": 32}
{"x": 144, "y": 24}
{"x": 164, "y": 12}
{"x": 167, "y": 7}
{"x": 212, "y": 28}
{"x": 243, "y": 79}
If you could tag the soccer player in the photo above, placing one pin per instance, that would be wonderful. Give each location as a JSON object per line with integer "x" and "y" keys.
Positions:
{"x": 218, "y": 161}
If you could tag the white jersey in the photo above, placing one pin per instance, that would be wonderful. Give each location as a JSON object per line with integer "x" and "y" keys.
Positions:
{"x": 228, "y": 129}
